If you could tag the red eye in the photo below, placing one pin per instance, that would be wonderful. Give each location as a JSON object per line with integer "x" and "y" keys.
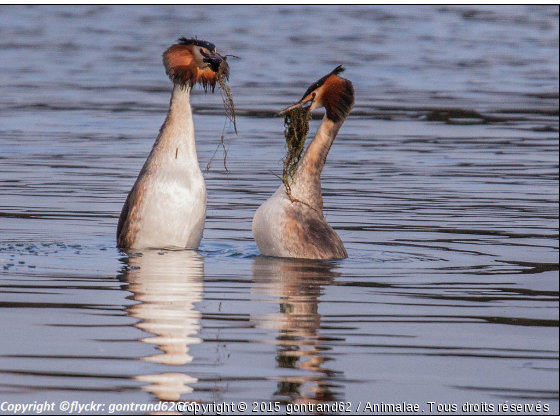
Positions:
{"x": 313, "y": 94}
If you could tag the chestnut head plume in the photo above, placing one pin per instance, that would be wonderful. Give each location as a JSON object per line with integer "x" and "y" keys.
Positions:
{"x": 332, "y": 92}
{"x": 192, "y": 61}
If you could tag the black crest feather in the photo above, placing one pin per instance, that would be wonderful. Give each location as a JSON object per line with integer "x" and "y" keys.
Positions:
{"x": 198, "y": 42}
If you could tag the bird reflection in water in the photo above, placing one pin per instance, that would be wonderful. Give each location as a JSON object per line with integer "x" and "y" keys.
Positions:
{"x": 298, "y": 284}
{"x": 167, "y": 284}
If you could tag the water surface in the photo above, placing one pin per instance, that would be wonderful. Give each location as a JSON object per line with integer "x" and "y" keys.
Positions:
{"x": 443, "y": 185}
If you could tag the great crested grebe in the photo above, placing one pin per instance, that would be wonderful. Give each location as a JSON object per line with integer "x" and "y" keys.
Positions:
{"x": 295, "y": 227}
{"x": 166, "y": 207}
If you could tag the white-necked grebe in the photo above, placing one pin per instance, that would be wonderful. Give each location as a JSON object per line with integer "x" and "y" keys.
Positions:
{"x": 294, "y": 226}
{"x": 167, "y": 204}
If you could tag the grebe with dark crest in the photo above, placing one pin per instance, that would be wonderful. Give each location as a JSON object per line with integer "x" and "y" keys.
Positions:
{"x": 293, "y": 225}
{"x": 166, "y": 207}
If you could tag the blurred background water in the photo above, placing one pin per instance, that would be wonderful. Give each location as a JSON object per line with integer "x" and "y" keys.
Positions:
{"x": 442, "y": 183}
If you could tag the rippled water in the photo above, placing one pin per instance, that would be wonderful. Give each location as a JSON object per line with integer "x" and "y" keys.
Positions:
{"x": 443, "y": 184}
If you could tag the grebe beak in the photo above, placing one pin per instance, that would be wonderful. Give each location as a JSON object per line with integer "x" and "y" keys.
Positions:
{"x": 305, "y": 103}
{"x": 214, "y": 61}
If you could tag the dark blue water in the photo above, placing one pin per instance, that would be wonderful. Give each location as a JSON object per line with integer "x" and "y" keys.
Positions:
{"x": 442, "y": 183}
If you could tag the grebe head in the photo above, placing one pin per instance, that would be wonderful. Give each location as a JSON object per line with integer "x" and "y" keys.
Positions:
{"x": 331, "y": 91}
{"x": 195, "y": 61}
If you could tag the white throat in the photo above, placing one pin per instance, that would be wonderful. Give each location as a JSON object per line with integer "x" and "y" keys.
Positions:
{"x": 176, "y": 140}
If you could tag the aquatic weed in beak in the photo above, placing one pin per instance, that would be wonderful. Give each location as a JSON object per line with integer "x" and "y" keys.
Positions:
{"x": 229, "y": 108}
{"x": 227, "y": 98}
{"x": 296, "y": 123}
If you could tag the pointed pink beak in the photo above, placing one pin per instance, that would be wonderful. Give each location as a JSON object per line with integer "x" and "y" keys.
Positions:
{"x": 300, "y": 104}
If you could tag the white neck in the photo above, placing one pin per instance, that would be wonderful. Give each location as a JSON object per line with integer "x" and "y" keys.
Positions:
{"x": 307, "y": 179}
{"x": 176, "y": 138}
